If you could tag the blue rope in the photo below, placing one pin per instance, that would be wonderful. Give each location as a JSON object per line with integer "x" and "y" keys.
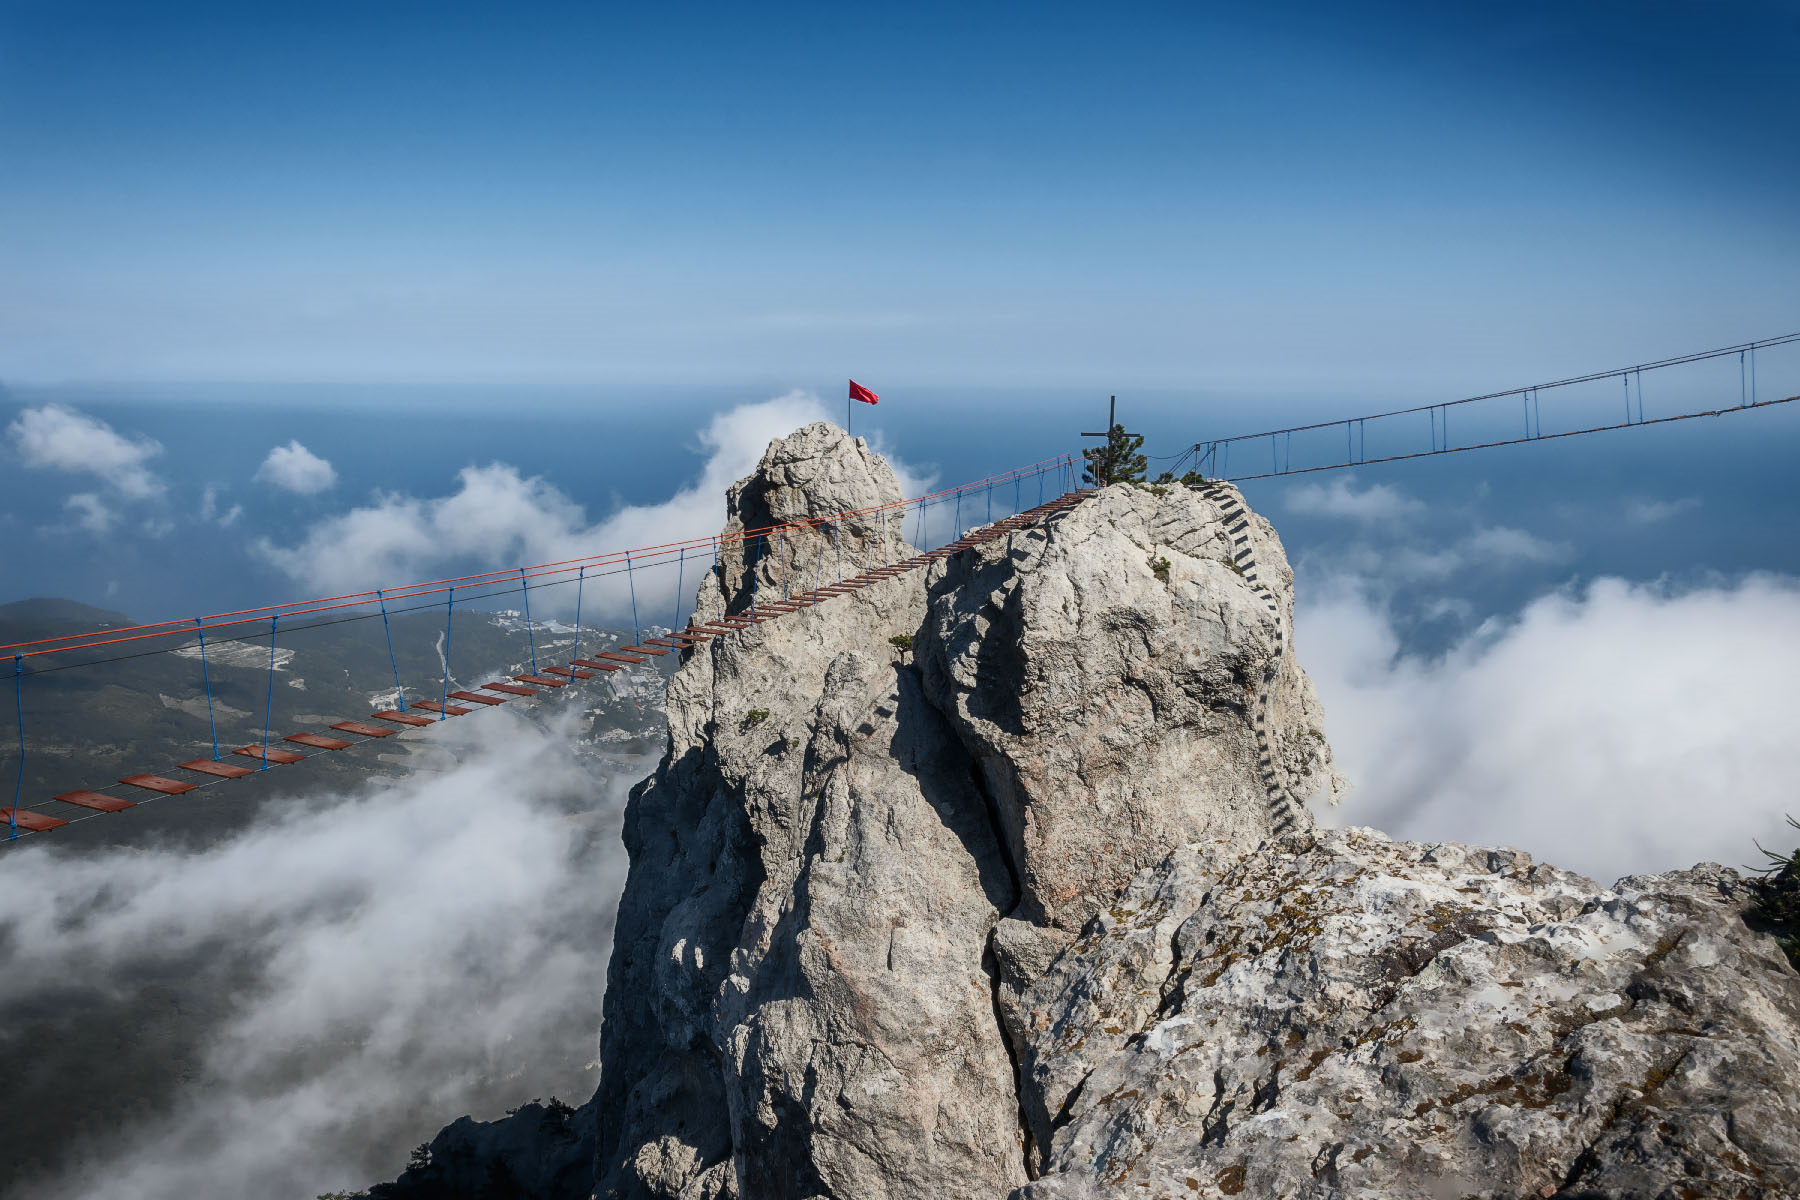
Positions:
{"x": 680, "y": 574}
{"x": 449, "y": 612}
{"x": 12, "y": 817}
{"x": 990, "y": 504}
{"x": 269, "y": 704}
{"x": 636, "y": 634}
{"x": 580, "y": 582}
{"x": 718, "y": 571}
{"x": 399, "y": 696}
{"x": 525, "y": 586}
{"x": 206, "y": 678}
{"x": 956, "y": 527}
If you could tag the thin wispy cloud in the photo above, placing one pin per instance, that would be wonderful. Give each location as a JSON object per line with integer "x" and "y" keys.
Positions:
{"x": 1654, "y": 512}
{"x": 91, "y": 513}
{"x": 1342, "y": 498}
{"x": 214, "y": 512}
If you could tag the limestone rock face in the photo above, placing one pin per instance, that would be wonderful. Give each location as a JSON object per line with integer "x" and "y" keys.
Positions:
{"x": 846, "y": 869}
{"x": 1339, "y": 1015}
{"x": 1125, "y": 687}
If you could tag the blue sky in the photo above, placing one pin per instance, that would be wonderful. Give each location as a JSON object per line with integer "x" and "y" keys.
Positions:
{"x": 1180, "y": 196}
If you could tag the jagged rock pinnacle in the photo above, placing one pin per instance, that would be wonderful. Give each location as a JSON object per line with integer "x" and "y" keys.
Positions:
{"x": 807, "y": 989}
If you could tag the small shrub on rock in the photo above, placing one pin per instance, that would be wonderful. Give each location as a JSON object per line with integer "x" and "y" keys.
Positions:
{"x": 1778, "y": 898}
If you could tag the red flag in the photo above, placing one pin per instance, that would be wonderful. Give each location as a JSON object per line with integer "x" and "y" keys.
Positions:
{"x": 859, "y": 392}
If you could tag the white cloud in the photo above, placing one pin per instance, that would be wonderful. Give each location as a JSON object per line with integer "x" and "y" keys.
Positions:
{"x": 1502, "y": 546}
{"x": 1652, "y": 512}
{"x": 1377, "y": 502}
{"x": 296, "y": 469}
{"x": 497, "y": 516}
{"x": 399, "y": 956}
{"x": 66, "y": 440}
{"x": 1622, "y": 728}
{"x": 91, "y": 513}
{"x": 1405, "y": 562}
{"x": 211, "y": 510}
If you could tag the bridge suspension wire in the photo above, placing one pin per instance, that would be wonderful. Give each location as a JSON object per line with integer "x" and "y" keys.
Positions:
{"x": 1539, "y": 437}
{"x": 449, "y": 613}
{"x": 580, "y": 583}
{"x": 530, "y": 636}
{"x": 399, "y": 693}
{"x": 12, "y": 815}
{"x": 1212, "y": 458}
{"x": 269, "y": 706}
{"x": 206, "y": 681}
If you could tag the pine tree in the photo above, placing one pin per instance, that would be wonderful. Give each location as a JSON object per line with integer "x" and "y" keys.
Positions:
{"x": 1116, "y": 462}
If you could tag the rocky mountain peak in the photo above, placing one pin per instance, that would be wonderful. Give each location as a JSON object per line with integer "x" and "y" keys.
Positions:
{"x": 1041, "y": 909}
{"x": 850, "y": 864}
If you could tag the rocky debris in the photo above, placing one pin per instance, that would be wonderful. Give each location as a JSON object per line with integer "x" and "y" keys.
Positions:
{"x": 1340, "y": 1015}
{"x": 539, "y": 1151}
{"x": 810, "y": 958}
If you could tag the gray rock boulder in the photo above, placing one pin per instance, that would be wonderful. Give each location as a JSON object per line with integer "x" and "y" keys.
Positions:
{"x": 1342, "y": 1016}
{"x": 1125, "y": 687}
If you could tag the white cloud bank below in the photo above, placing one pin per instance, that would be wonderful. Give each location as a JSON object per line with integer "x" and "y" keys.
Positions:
{"x": 407, "y": 954}
{"x": 1618, "y": 729}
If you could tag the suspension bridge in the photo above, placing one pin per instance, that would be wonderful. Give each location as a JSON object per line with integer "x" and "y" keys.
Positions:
{"x": 1048, "y": 486}
{"x": 1038, "y": 492}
